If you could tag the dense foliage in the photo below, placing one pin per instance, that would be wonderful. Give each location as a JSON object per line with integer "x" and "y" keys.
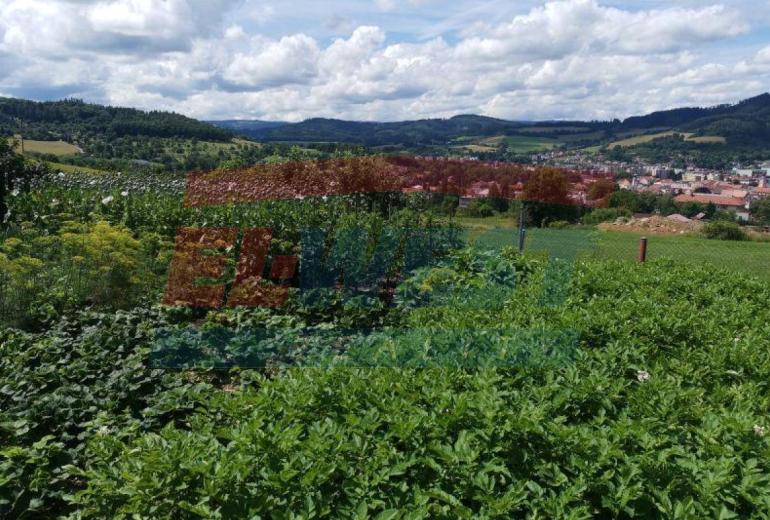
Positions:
{"x": 16, "y": 175}
{"x": 724, "y": 231}
{"x": 659, "y": 411}
{"x": 73, "y": 120}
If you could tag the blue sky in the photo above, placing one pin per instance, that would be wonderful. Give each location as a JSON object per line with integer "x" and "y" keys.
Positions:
{"x": 387, "y": 59}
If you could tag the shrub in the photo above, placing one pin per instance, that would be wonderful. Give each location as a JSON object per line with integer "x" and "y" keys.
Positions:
{"x": 480, "y": 208}
{"x": 600, "y": 215}
{"x": 95, "y": 263}
{"x": 722, "y": 230}
{"x": 558, "y": 224}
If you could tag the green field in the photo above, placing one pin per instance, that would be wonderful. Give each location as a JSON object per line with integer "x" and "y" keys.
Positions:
{"x": 748, "y": 257}
{"x": 523, "y": 143}
{"x": 52, "y": 147}
{"x": 68, "y": 168}
{"x": 515, "y": 143}
{"x": 646, "y": 138}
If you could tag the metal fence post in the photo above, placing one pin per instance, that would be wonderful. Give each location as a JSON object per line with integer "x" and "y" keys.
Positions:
{"x": 522, "y": 230}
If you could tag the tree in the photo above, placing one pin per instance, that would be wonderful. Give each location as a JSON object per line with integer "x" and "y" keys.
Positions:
{"x": 496, "y": 199}
{"x": 690, "y": 209}
{"x": 548, "y": 185}
{"x": 710, "y": 210}
{"x": 600, "y": 189}
{"x": 15, "y": 173}
{"x": 625, "y": 199}
{"x": 546, "y": 195}
{"x": 760, "y": 210}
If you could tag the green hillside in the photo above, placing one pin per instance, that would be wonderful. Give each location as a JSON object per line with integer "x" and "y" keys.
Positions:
{"x": 73, "y": 120}
{"x": 712, "y": 135}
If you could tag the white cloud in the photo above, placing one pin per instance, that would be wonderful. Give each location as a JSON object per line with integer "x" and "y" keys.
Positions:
{"x": 212, "y": 58}
{"x": 56, "y": 27}
{"x": 763, "y": 56}
{"x": 561, "y": 28}
{"x": 292, "y": 59}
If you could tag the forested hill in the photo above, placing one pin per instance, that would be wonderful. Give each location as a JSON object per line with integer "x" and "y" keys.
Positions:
{"x": 247, "y": 126}
{"x": 757, "y": 107}
{"x": 747, "y": 123}
{"x": 73, "y": 120}
{"x": 423, "y": 131}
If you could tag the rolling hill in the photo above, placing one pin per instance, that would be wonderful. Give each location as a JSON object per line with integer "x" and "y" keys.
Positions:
{"x": 246, "y": 126}
{"x": 747, "y": 122}
{"x": 403, "y": 133}
{"x": 726, "y": 132}
{"x": 73, "y": 120}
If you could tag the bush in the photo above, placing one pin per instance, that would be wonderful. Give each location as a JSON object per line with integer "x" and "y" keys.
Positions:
{"x": 600, "y": 215}
{"x": 480, "y": 208}
{"x": 43, "y": 275}
{"x": 722, "y": 230}
{"x": 558, "y": 224}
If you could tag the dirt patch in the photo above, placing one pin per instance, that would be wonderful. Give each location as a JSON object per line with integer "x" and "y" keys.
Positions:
{"x": 653, "y": 225}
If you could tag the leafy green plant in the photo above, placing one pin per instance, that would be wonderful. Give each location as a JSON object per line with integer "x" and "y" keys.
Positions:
{"x": 723, "y": 230}
{"x": 599, "y": 215}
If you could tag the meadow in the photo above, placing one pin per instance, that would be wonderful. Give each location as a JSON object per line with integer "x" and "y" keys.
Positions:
{"x": 49, "y": 147}
{"x": 646, "y": 138}
{"x": 69, "y": 168}
{"x": 745, "y": 257}
{"x": 515, "y": 143}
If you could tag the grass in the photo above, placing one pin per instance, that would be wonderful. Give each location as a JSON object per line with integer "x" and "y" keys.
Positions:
{"x": 555, "y": 129}
{"x": 524, "y": 143}
{"x": 646, "y": 138}
{"x": 707, "y": 139}
{"x": 68, "y": 168}
{"x": 516, "y": 143}
{"x": 747, "y": 257}
{"x": 52, "y": 147}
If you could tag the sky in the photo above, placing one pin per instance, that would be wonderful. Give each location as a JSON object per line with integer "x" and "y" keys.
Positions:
{"x": 387, "y": 60}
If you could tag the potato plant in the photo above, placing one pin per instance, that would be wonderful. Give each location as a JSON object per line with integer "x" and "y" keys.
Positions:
{"x": 661, "y": 411}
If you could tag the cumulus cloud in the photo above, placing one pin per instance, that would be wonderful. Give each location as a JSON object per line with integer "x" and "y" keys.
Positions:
{"x": 292, "y": 59}
{"x": 561, "y": 28}
{"x": 211, "y": 58}
{"x": 763, "y": 56}
{"x": 55, "y": 27}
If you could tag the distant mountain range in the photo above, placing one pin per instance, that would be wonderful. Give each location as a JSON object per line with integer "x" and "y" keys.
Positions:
{"x": 246, "y": 126}
{"x": 745, "y": 122}
{"x": 419, "y": 132}
{"x": 739, "y": 127}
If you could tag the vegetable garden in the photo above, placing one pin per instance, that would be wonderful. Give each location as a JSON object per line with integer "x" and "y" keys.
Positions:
{"x": 483, "y": 384}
